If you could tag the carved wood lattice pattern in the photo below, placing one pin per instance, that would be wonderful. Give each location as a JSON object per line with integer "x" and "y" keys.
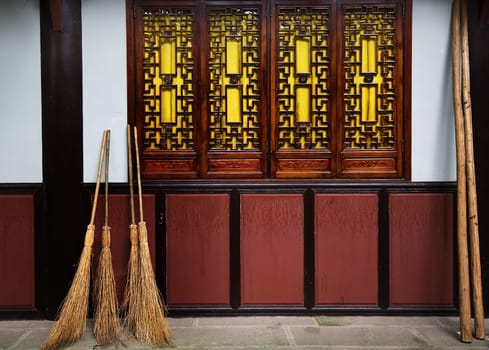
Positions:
{"x": 303, "y": 78}
{"x": 233, "y": 66}
{"x": 168, "y": 92}
{"x": 369, "y": 71}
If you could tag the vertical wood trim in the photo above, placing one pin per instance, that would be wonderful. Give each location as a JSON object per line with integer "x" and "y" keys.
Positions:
{"x": 40, "y": 248}
{"x": 383, "y": 251}
{"x": 56, "y": 15}
{"x": 160, "y": 242}
{"x": 484, "y": 12}
{"x": 479, "y": 69}
{"x": 407, "y": 84}
{"x": 235, "y": 249}
{"x": 309, "y": 250}
{"x": 62, "y": 139}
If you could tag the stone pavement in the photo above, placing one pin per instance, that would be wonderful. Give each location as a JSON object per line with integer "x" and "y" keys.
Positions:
{"x": 274, "y": 333}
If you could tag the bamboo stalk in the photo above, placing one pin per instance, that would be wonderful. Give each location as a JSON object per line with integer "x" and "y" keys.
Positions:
{"x": 475, "y": 265}
{"x": 71, "y": 323}
{"x": 463, "y": 259}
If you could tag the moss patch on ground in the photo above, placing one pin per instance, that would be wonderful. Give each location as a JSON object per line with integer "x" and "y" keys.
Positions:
{"x": 326, "y": 321}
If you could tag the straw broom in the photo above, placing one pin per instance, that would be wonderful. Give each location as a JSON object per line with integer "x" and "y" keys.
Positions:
{"x": 152, "y": 327}
{"x": 132, "y": 291}
{"x": 106, "y": 325}
{"x": 475, "y": 265}
{"x": 71, "y": 323}
{"x": 463, "y": 259}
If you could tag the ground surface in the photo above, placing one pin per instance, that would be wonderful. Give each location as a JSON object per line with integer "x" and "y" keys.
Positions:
{"x": 274, "y": 333}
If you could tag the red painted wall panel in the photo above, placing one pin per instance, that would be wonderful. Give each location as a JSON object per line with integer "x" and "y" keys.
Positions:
{"x": 120, "y": 243}
{"x": 272, "y": 249}
{"x": 198, "y": 249}
{"x": 421, "y": 249}
{"x": 17, "y": 251}
{"x": 346, "y": 249}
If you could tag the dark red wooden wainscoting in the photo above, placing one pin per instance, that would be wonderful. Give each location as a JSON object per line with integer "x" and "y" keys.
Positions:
{"x": 244, "y": 250}
{"x": 17, "y": 269}
{"x": 346, "y": 249}
{"x": 375, "y": 250}
{"x": 272, "y": 269}
{"x": 120, "y": 243}
{"x": 421, "y": 249}
{"x": 198, "y": 249}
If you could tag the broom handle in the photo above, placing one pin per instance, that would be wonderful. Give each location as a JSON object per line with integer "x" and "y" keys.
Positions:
{"x": 141, "y": 218}
{"x": 463, "y": 259}
{"x": 107, "y": 150}
{"x": 475, "y": 265}
{"x": 99, "y": 175}
{"x": 131, "y": 179}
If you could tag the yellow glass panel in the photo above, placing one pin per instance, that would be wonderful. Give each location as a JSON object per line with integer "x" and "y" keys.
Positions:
{"x": 303, "y": 102}
{"x": 168, "y": 111}
{"x": 369, "y": 54}
{"x": 233, "y": 105}
{"x": 168, "y": 57}
{"x": 302, "y": 56}
{"x": 369, "y": 99}
{"x": 233, "y": 56}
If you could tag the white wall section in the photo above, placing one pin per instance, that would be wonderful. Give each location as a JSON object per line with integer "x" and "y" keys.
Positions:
{"x": 433, "y": 131}
{"x": 20, "y": 92}
{"x": 104, "y": 85}
{"x": 105, "y": 90}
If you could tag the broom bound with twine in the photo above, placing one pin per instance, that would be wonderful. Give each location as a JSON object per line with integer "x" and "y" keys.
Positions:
{"x": 106, "y": 321}
{"x": 132, "y": 292}
{"x": 151, "y": 326}
{"x": 71, "y": 323}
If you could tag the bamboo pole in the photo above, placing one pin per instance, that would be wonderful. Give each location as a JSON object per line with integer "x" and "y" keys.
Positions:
{"x": 463, "y": 259}
{"x": 475, "y": 265}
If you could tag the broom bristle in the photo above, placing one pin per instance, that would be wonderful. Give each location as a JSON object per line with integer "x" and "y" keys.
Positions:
{"x": 71, "y": 323}
{"x": 132, "y": 291}
{"x": 106, "y": 322}
{"x": 152, "y": 327}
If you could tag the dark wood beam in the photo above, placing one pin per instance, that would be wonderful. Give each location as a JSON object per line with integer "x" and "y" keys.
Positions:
{"x": 484, "y": 12}
{"x": 479, "y": 77}
{"x": 55, "y": 7}
{"x": 62, "y": 146}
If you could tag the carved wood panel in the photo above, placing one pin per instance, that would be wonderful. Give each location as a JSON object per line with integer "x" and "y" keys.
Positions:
{"x": 276, "y": 88}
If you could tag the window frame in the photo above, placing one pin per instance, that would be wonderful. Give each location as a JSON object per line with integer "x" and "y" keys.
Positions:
{"x": 195, "y": 163}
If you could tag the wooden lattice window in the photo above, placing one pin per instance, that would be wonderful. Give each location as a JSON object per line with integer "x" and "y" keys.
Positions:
{"x": 271, "y": 89}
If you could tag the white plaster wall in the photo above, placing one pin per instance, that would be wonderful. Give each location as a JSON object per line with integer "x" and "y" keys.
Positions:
{"x": 104, "y": 85}
{"x": 433, "y": 140}
{"x": 20, "y": 92}
{"x": 105, "y": 90}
